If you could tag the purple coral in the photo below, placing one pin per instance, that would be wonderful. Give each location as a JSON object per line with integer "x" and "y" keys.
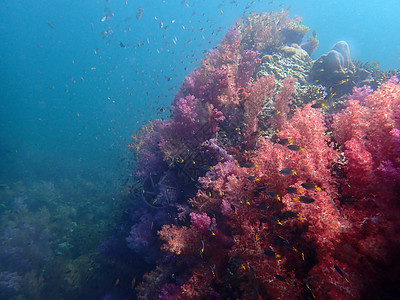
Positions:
{"x": 202, "y": 222}
{"x": 360, "y": 93}
{"x": 140, "y": 235}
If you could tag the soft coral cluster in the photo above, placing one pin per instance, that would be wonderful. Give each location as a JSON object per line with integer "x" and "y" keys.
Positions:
{"x": 268, "y": 219}
{"x": 223, "y": 73}
{"x": 367, "y": 131}
{"x": 259, "y": 221}
{"x": 370, "y": 146}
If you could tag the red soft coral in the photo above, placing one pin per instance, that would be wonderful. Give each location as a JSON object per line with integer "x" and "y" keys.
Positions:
{"x": 255, "y": 101}
{"x": 282, "y": 101}
{"x": 327, "y": 283}
{"x": 178, "y": 239}
{"x": 365, "y": 134}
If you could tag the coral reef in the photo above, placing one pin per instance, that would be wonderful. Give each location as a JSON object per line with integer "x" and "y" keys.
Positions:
{"x": 335, "y": 68}
{"x": 273, "y": 198}
{"x": 311, "y": 44}
{"x": 290, "y": 61}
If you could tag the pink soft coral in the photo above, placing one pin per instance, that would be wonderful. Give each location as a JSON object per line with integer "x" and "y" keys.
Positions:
{"x": 366, "y": 134}
{"x": 178, "y": 239}
{"x": 255, "y": 100}
{"x": 282, "y": 101}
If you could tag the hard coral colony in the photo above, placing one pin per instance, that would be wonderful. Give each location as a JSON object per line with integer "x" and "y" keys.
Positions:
{"x": 268, "y": 195}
